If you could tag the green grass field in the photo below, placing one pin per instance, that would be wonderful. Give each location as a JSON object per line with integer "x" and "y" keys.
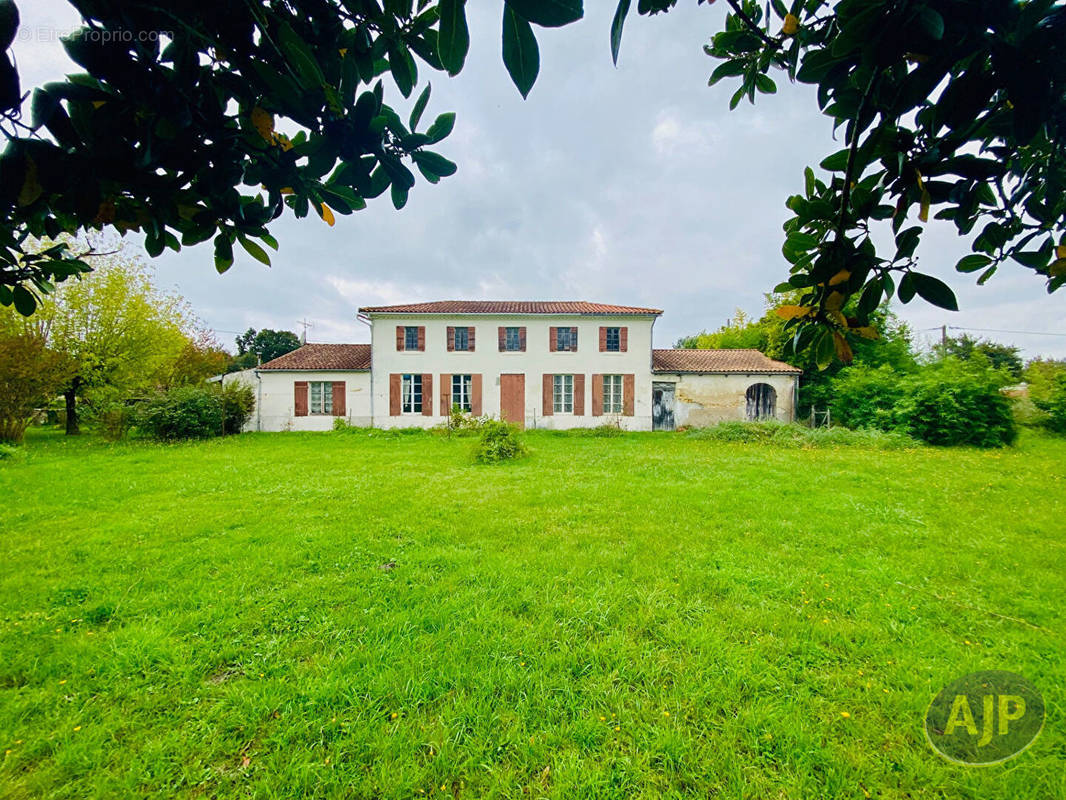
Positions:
{"x": 650, "y": 615}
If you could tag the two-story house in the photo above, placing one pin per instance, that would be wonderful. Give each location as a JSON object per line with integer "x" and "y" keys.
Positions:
{"x": 538, "y": 364}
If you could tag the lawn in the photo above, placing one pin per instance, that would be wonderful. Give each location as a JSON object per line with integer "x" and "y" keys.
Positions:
{"x": 648, "y": 615}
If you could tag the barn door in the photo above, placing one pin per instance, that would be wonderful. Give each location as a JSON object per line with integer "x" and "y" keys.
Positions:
{"x": 662, "y": 407}
{"x": 761, "y": 401}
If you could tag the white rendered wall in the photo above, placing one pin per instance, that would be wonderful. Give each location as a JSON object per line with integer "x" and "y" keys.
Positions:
{"x": 275, "y": 400}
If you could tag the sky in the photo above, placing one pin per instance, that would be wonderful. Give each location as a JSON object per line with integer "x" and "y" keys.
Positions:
{"x": 632, "y": 184}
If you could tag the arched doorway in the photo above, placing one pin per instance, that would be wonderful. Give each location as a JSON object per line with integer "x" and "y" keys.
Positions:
{"x": 761, "y": 401}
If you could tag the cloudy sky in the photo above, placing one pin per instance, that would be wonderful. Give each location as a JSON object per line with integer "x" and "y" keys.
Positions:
{"x": 631, "y": 185}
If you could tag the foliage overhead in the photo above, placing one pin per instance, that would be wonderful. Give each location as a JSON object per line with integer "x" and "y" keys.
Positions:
{"x": 207, "y": 121}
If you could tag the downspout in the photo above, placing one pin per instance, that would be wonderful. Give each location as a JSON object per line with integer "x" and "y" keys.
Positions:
{"x": 259, "y": 403}
{"x": 795, "y": 397}
{"x": 367, "y": 321}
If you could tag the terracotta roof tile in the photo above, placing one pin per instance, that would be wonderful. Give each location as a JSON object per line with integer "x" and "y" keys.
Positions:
{"x": 508, "y": 307}
{"x": 353, "y": 357}
{"x": 716, "y": 361}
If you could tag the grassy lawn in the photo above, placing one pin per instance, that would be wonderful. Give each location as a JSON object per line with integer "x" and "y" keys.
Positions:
{"x": 651, "y": 615}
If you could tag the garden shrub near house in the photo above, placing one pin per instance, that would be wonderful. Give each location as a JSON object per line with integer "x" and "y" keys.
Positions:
{"x": 866, "y": 397}
{"x": 499, "y": 441}
{"x": 1054, "y": 404}
{"x": 197, "y": 412}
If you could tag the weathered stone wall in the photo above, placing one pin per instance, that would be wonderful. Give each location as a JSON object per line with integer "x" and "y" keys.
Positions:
{"x": 702, "y": 400}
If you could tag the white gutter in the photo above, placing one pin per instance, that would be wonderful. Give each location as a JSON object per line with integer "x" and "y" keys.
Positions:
{"x": 364, "y": 318}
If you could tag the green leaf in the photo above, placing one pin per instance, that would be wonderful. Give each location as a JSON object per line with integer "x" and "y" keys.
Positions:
{"x": 548, "y": 13}
{"x": 420, "y": 106}
{"x": 254, "y": 250}
{"x": 399, "y": 197}
{"x": 25, "y": 302}
{"x": 972, "y": 263}
{"x": 619, "y": 20}
{"x": 435, "y": 163}
{"x": 404, "y": 71}
{"x": 9, "y": 22}
{"x": 906, "y": 288}
{"x": 931, "y": 23}
{"x": 441, "y": 127}
{"x": 808, "y": 181}
{"x": 837, "y": 162}
{"x": 223, "y": 253}
{"x": 453, "y": 37}
{"x": 520, "y": 52}
{"x": 933, "y": 290}
{"x": 765, "y": 84}
{"x": 300, "y": 57}
{"x": 727, "y": 69}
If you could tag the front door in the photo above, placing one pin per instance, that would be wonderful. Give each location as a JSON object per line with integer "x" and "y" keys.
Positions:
{"x": 513, "y": 399}
{"x": 662, "y": 407}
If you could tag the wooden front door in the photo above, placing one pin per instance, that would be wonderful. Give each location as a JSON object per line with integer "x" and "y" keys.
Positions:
{"x": 513, "y": 399}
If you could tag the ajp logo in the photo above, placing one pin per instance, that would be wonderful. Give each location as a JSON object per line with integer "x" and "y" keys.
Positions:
{"x": 985, "y": 718}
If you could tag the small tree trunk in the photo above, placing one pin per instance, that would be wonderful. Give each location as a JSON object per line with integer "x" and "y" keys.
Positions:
{"x": 72, "y": 411}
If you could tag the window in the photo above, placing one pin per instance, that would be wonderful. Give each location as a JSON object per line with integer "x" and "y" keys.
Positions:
{"x": 614, "y": 340}
{"x": 512, "y": 339}
{"x": 410, "y": 337}
{"x": 461, "y": 392}
{"x": 563, "y": 394}
{"x": 565, "y": 339}
{"x": 321, "y": 397}
{"x": 612, "y": 393}
{"x": 462, "y": 338}
{"x": 411, "y": 395}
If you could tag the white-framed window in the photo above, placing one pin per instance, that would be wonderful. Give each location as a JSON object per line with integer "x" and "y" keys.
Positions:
{"x": 411, "y": 394}
{"x": 461, "y": 392}
{"x": 512, "y": 340}
{"x": 614, "y": 340}
{"x": 321, "y": 397}
{"x": 612, "y": 394}
{"x": 563, "y": 394}
{"x": 410, "y": 337}
{"x": 565, "y": 339}
{"x": 462, "y": 338}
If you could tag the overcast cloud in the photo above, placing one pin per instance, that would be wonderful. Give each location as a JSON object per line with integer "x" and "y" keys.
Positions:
{"x": 631, "y": 185}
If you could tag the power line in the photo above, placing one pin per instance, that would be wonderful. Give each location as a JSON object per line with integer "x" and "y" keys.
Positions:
{"x": 1000, "y": 330}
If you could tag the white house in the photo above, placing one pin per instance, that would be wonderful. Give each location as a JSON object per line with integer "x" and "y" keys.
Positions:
{"x": 538, "y": 364}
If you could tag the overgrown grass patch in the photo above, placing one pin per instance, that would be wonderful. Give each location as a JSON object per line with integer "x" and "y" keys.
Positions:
{"x": 641, "y": 615}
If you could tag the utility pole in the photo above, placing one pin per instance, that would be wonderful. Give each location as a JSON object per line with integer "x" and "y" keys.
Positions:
{"x": 944, "y": 335}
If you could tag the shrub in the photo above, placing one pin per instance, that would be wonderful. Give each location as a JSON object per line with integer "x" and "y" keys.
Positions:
{"x": 795, "y": 435}
{"x": 9, "y": 451}
{"x": 114, "y": 421}
{"x": 499, "y": 441}
{"x": 950, "y": 403}
{"x": 864, "y": 397}
{"x": 1054, "y": 405}
{"x": 238, "y": 402}
{"x": 188, "y": 412}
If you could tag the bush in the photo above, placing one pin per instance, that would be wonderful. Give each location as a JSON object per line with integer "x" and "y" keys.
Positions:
{"x": 9, "y": 451}
{"x": 500, "y": 441}
{"x": 1054, "y": 405}
{"x": 238, "y": 402}
{"x": 950, "y": 403}
{"x": 188, "y": 412}
{"x": 866, "y": 398}
{"x": 114, "y": 421}
{"x": 795, "y": 435}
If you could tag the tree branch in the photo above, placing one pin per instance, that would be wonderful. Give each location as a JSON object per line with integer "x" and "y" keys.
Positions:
{"x": 752, "y": 26}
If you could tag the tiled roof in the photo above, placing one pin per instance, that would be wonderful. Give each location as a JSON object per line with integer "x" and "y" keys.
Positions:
{"x": 716, "y": 361}
{"x": 324, "y": 356}
{"x": 508, "y": 307}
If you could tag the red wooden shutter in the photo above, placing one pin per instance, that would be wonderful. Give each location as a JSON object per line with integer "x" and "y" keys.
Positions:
{"x": 553, "y": 340}
{"x": 597, "y": 395}
{"x": 299, "y": 400}
{"x": 395, "y": 380}
{"x": 470, "y": 338}
{"x": 475, "y": 395}
{"x": 628, "y": 394}
{"x": 603, "y": 339}
{"x": 579, "y": 395}
{"x": 503, "y": 338}
{"x": 623, "y": 339}
{"x": 445, "y": 395}
{"x": 427, "y": 395}
{"x": 400, "y": 338}
{"x": 573, "y": 340}
{"x": 338, "y": 399}
{"x": 451, "y": 338}
{"x": 522, "y": 339}
{"x": 547, "y": 398}
{"x": 421, "y": 337}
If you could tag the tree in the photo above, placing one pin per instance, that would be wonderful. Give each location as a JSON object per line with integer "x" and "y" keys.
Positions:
{"x": 121, "y": 334}
{"x": 957, "y": 106}
{"x": 265, "y": 345}
{"x": 198, "y": 121}
{"x": 1000, "y": 356}
{"x": 30, "y": 375}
